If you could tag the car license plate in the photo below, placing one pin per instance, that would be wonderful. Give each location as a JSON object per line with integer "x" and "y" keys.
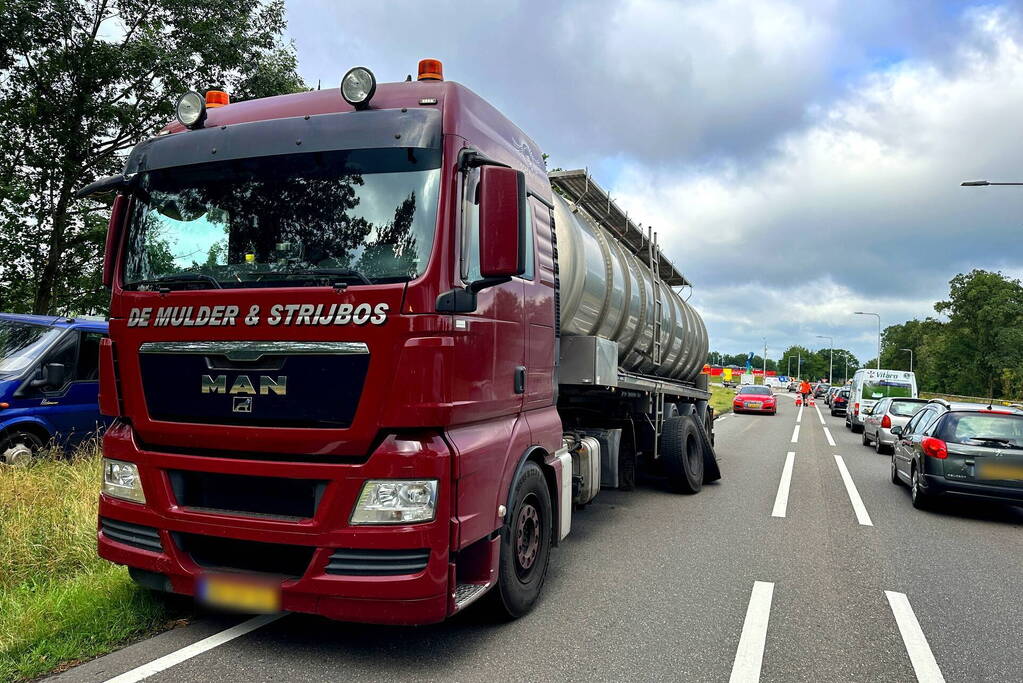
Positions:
{"x": 1000, "y": 471}
{"x": 242, "y": 593}
{"x": 754, "y": 404}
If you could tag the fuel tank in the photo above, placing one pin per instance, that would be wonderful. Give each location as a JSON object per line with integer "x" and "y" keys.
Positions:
{"x": 607, "y": 291}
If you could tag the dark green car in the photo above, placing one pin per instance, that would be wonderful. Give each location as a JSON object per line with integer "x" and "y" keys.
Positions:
{"x": 962, "y": 450}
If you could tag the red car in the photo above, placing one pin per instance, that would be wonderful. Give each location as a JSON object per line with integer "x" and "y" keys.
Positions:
{"x": 755, "y": 399}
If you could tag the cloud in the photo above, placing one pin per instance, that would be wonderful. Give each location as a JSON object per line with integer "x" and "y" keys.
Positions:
{"x": 861, "y": 209}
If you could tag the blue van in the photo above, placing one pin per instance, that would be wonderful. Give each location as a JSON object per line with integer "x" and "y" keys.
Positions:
{"x": 49, "y": 383}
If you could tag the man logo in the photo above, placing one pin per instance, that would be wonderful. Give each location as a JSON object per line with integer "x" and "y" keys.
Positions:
{"x": 243, "y": 385}
{"x": 242, "y": 404}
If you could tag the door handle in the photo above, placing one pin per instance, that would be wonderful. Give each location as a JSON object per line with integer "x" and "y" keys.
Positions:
{"x": 520, "y": 379}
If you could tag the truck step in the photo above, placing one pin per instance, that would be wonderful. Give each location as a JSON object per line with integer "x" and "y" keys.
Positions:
{"x": 468, "y": 593}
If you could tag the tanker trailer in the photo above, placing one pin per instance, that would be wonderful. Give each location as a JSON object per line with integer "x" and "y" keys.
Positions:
{"x": 631, "y": 350}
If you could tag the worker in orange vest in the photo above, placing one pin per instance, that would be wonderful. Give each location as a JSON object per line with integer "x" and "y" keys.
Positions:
{"x": 804, "y": 389}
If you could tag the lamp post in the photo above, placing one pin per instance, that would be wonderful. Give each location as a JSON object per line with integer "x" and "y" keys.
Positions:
{"x": 982, "y": 183}
{"x": 765, "y": 361}
{"x": 878, "y": 316}
{"x": 799, "y": 365}
{"x": 910, "y": 358}
{"x": 788, "y": 366}
{"x": 831, "y": 357}
{"x": 846, "y": 367}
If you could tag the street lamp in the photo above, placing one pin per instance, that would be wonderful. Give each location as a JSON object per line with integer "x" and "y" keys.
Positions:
{"x": 910, "y": 358}
{"x": 982, "y": 183}
{"x": 788, "y": 367}
{"x": 846, "y": 366}
{"x": 765, "y": 360}
{"x": 878, "y": 316}
{"x": 831, "y": 356}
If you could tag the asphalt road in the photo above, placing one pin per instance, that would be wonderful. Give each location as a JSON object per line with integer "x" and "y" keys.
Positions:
{"x": 741, "y": 578}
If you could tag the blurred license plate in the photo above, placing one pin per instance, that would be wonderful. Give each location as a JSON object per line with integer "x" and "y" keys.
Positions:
{"x": 246, "y": 594}
{"x": 1001, "y": 471}
{"x": 754, "y": 404}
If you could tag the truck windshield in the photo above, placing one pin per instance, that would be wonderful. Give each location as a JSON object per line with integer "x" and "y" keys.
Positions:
{"x": 874, "y": 391}
{"x": 353, "y": 217}
{"x": 21, "y": 343}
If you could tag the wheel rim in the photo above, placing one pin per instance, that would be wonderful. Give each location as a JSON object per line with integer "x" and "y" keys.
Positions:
{"x": 527, "y": 537}
{"x": 18, "y": 454}
{"x": 693, "y": 455}
{"x": 915, "y": 486}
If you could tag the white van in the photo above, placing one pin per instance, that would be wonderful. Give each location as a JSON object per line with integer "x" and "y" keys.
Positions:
{"x": 870, "y": 386}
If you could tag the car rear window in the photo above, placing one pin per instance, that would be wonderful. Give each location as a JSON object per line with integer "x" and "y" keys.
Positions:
{"x": 905, "y": 408}
{"x": 984, "y": 429}
{"x": 756, "y": 390}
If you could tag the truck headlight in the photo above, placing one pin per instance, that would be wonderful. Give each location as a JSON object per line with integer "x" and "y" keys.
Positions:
{"x": 396, "y": 501}
{"x": 121, "y": 480}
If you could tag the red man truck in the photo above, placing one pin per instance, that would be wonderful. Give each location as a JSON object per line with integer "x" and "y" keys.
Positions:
{"x": 367, "y": 357}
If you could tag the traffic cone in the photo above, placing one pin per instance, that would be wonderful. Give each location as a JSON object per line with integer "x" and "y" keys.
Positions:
{"x": 799, "y": 401}
{"x": 812, "y": 402}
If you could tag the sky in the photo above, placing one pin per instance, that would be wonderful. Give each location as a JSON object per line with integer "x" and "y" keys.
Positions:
{"x": 799, "y": 160}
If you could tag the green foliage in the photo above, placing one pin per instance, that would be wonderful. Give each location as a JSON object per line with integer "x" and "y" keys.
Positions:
{"x": 81, "y": 81}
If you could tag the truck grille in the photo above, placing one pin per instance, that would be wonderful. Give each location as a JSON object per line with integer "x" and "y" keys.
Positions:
{"x": 237, "y": 494}
{"x": 135, "y": 535}
{"x": 362, "y": 562}
{"x": 215, "y": 552}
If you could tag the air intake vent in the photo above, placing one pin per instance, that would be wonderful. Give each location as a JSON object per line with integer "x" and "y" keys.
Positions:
{"x": 361, "y": 562}
{"x": 135, "y": 535}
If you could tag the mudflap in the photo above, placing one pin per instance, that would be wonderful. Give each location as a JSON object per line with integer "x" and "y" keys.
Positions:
{"x": 711, "y": 470}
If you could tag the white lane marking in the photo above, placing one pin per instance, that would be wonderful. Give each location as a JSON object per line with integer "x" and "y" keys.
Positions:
{"x": 854, "y": 496}
{"x": 795, "y": 434}
{"x": 781, "y": 501}
{"x": 749, "y": 656}
{"x": 924, "y": 665}
{"x": 799, "y": 416}
{"x": 718, "y": 419}
{"x": 185, "y": 653}
{"x": 827, "y": 433}
{"x": 819, "y": 416}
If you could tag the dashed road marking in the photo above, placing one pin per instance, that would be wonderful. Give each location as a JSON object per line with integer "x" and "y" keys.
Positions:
{"x": 920, "y": 655}
{"x": 167, "y": 661}
{"x": 799, "y": 415}
{"x": 854, "y": 496}
{"x": 819, "y": 416}
{"x": 781, "y": 501}
{"x": 827, "y": 433}
{"x": 795, "y": 434}
{"x": 749, "y": 656}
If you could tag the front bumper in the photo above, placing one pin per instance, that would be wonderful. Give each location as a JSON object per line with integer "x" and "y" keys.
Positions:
{"x": 418, "y": 597}
{"x": 762, "y": 409}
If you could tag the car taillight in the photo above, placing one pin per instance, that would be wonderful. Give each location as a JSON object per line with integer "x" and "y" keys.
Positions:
{"x": 856, "y": 408}
{"x": 886, "y": 422}
{"x": 935, "y": 448}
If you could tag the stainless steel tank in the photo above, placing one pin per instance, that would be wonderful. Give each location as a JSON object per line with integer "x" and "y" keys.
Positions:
{"x": 606, "y": 291}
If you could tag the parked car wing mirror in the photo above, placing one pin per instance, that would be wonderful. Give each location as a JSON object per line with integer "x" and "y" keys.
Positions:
{"x": 896, "y": 430}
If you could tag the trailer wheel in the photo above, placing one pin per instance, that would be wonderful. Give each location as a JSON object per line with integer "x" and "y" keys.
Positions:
{"x": 682, "y": 454}
{"x": 525, "y": 545}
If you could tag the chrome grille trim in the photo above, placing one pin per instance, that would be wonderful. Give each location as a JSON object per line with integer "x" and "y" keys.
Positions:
{"x": 254, "y": 350}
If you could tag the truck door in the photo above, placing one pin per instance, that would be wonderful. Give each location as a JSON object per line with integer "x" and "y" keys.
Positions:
{"x": 71, "y": 409}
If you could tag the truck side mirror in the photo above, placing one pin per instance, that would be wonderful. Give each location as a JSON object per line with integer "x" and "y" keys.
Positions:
{"x": 114, "y": 229}
{"x": 502, "y": 222}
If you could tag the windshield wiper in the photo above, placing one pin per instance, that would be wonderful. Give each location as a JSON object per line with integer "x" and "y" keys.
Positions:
{"x": 1008, "y": 443}
{"x": 342, "y": 273}
{"x": 176, "y": 278}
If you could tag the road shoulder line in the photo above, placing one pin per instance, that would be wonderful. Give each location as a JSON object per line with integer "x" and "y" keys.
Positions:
{"x": 749, "y": 656}
{"x": 854, "y": 496}
{"x": 920, "y": 655}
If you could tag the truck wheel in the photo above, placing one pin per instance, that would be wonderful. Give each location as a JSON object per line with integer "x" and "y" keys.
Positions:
{"x": 19, "y": 447}
{"x": 525, "y": 545}
{"x": 682, "y": 455}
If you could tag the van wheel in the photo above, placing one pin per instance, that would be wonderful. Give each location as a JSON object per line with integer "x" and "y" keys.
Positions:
{"x": 525, "y": 545}
{"x": 682, "y": 454}
{"x": 19, "y": 448}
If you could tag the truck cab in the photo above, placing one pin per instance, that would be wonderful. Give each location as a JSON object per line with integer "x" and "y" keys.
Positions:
{"x": 49, "y": 382}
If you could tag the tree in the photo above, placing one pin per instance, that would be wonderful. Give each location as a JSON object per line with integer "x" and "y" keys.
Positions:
{"x": 81, "y": 81}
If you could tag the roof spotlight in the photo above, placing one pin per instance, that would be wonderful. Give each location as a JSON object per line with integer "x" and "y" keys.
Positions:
{"x": 358, "y": 86}
{"x": 191, "y": 109}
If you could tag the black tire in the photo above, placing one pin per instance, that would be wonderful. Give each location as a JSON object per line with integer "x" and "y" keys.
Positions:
{"x": 523, "y": 563}
{"x": 895, "y": 473}
{"x": 833, "y": 413}
{"x": 879, "y": 447}
{"x": 856, "y": 429}
{"x": 13, "y": 447}
{"x": 682, "y": 455}
{"x": 919, "y": 497}
{"x": 865, "y": 439}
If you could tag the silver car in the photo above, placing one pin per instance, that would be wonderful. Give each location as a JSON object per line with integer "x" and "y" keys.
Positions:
{"x": 885, "y": 414}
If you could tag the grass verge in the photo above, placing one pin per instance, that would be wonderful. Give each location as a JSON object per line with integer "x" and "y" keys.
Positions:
{"x": 721, "y": 399}
{"x": 59, "y": 602}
